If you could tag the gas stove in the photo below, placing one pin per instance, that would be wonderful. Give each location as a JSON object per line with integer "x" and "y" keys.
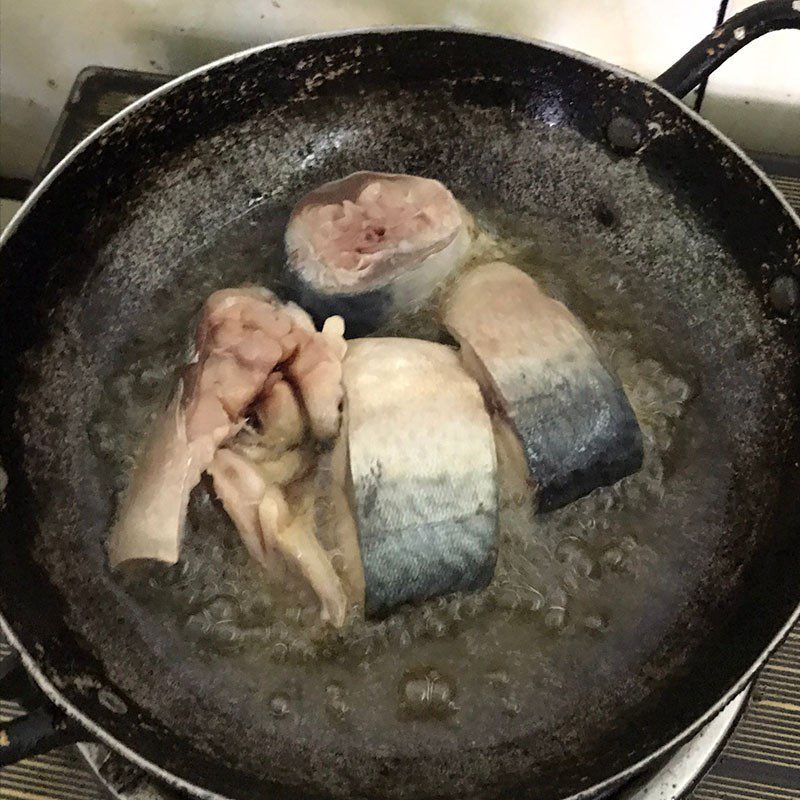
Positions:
{"x": 750, "y": 751}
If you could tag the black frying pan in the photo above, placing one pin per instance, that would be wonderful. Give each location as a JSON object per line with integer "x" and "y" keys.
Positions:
{"x": 707, "y": 256}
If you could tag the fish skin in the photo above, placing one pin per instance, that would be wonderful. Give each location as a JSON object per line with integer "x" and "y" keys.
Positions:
{"x": 363, "y": 312}
{"x": 537, "y": 363}
{"x": 423, "y": 468}
{"x": 401, "y": 282}
{"x": 600, "y": 416}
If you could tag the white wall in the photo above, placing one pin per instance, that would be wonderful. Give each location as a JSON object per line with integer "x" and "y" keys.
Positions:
{"x": 45, "y": 43}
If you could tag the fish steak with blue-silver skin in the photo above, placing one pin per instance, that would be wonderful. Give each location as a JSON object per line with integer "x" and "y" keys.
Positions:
{"x": 570, "y": 420}
{"x": 372, "y": 245}
{"x": 423, "y": 471}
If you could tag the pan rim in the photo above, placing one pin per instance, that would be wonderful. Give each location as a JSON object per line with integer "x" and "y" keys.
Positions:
{"x": 31, "y": 664}
{"x": 241, "y": 55}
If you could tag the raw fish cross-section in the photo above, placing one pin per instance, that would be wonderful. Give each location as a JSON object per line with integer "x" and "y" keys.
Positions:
{"x": 373, "y": 244}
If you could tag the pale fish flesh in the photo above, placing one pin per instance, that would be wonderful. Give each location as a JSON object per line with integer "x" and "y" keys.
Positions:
{"x": 372, "y": 244}
{"x": 266, "y": 481}
{"x": 245, "y": 336}
{"x": 538, "y": 367}
{"x": 276, "y": 522}
{"x": 335, "y": 519}
{"x": 423, "y": 469}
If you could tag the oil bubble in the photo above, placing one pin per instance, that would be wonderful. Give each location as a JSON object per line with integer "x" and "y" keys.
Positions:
{"x": 613, "y": 558}
{"x": 498, "y": 677}
{"x": 279, "y": 705}
{"x": 571, "y": 582}
{"x": 222, "y": 607}
{"x": 395, "y": 625}
{"x": 279, "y": 652}
{"x": 573, "y": 552}
{"x": 534, "y": 601}
{"x": 507, "y": 598}
{"x": 301, "y": 650}
{"x": 472, "y": 605}
{"x": 335, "y": 701}
{"x": 427, "y": 694}
{"x": 437, "y": 628}
{"x": 511, "y": 707}
{"x": 557, "y": 598}
{"x": 556, "y": 618}
{"x": 596, "y": 623}
{"x": 569, "y": 548}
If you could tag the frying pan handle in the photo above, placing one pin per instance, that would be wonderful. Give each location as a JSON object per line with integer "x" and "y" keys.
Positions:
{"x": 41, "y": 730}
{"x": 727, "y": 39}
{"x": 38, "y": 732}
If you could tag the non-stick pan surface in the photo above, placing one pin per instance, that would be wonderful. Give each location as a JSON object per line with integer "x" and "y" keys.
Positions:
{"x": 128, "y": 230}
